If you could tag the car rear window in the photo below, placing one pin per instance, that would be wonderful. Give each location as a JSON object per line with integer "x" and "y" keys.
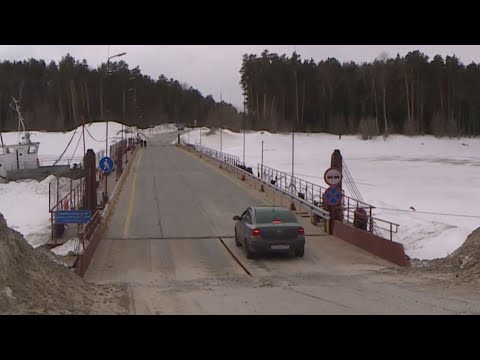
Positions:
{"x": 268, "y": 216}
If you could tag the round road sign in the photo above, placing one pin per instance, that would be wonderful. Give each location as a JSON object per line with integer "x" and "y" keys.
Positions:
{"x": 333, "y": 176}
{"x": 106, "y": 164}
{"x": 333, "y": 196}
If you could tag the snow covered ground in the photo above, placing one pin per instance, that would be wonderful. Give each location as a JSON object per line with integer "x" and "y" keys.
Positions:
{"x": 426, "y": 173}
{"x": 24, "y": 204}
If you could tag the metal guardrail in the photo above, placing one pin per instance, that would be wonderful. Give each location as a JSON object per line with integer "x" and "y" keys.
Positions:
{"x": 50, "y": 161}
{"x": 235, "y": 165}
{"x": 313, "y": 193}
{"x": 372, "y": 222}
{"x": 227, "y": 158}
{"x": 304, "y": 193}
{"x": 306, "y": 189}
{"x": 72, "y": 200}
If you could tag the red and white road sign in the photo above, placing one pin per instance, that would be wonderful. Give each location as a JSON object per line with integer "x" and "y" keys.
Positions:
{"x": 333, "y": 177}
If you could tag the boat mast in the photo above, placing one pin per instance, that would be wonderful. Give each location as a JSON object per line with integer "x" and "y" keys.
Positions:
{"x": 21, "y": 124}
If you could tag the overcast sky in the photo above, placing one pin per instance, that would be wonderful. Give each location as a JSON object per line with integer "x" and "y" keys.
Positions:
{"x": 215, "y": 68}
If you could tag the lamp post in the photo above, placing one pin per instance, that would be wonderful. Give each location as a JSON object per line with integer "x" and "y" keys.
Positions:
{"x": 295, "y": 123}
{"x": 106, "y": 129}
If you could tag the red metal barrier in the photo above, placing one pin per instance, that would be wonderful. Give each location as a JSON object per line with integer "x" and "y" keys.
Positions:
{"x": 91, "y": 236}
{"x": 388, "y": 250}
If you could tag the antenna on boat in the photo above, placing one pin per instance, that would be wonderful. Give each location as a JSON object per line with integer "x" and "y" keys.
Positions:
{"x": 21, "y": 123}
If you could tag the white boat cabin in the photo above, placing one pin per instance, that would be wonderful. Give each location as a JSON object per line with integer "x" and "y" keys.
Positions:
{"x": 20, "y": 156}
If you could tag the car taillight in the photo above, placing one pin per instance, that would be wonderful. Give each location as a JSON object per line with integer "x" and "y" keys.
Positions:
{"x": 301, "y": 231}
{"x": 256, "y": 232}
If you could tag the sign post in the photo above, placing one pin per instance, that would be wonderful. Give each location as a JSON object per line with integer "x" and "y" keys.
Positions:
{"x": 106, "y": 165}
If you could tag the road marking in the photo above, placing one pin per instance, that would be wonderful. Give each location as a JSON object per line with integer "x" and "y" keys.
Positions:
{"x": 234, "y": 257}
{"x": 126, "y": 229}
{"x": 168, "y": 238}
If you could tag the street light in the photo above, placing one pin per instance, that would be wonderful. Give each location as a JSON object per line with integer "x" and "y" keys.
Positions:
{"x": 106, "y": 129}
{"x": 108, "y": 73}
{"x": 294, "y": 126}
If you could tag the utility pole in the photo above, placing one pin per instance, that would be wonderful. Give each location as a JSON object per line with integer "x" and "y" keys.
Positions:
{"x": 221, "y": 125}
{"x": 106, "y": 130}
{"x": 296, "y": 120}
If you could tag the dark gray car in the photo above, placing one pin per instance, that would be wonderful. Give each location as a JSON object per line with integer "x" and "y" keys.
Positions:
{"x": 265, "y": 229}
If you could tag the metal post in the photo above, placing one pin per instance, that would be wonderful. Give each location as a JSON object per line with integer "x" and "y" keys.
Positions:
{"x": 106, "y": 142}
{"x": 348, "y": 209}
{"x": 262, "y": 158}
{"x": 58, "y": 191}
{"x": 371, "y": 220}
{"x": 51, "y": 225}
{"x": 221, "y": 125}
{"x": 244, "y": 126}
{"x": 293, "y": 152}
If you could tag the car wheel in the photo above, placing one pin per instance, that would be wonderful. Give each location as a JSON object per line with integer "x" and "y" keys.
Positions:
{"x": 300, "y": 252}
{"x": 237, "y": 243}
{"x": 250, "y": 253}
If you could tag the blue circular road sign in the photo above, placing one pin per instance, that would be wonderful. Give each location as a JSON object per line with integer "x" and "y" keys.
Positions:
{"x": 333, "y": 196}
{"x": 106, "y": 164}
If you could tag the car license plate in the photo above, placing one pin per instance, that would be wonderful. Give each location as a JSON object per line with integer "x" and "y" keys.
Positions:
{"x": 280, "y": 247}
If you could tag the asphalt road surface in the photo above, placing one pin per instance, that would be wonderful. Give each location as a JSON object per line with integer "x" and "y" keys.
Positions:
{"x": 171, "y": 240}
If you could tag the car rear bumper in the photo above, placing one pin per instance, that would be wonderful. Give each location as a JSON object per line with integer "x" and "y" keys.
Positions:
{"x": 261, "y": 245}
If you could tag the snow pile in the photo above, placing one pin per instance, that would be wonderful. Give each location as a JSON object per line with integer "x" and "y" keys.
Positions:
{"x": 160, "y": 129}
{"x": 71, "y": 247}
{"x": 25, "y": 204}
{"x": 31, "y": 283}
{"x": 426, "y": 173}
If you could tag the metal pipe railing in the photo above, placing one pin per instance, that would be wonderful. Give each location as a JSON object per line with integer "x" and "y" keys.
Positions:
{"x": 236, "y": 167}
